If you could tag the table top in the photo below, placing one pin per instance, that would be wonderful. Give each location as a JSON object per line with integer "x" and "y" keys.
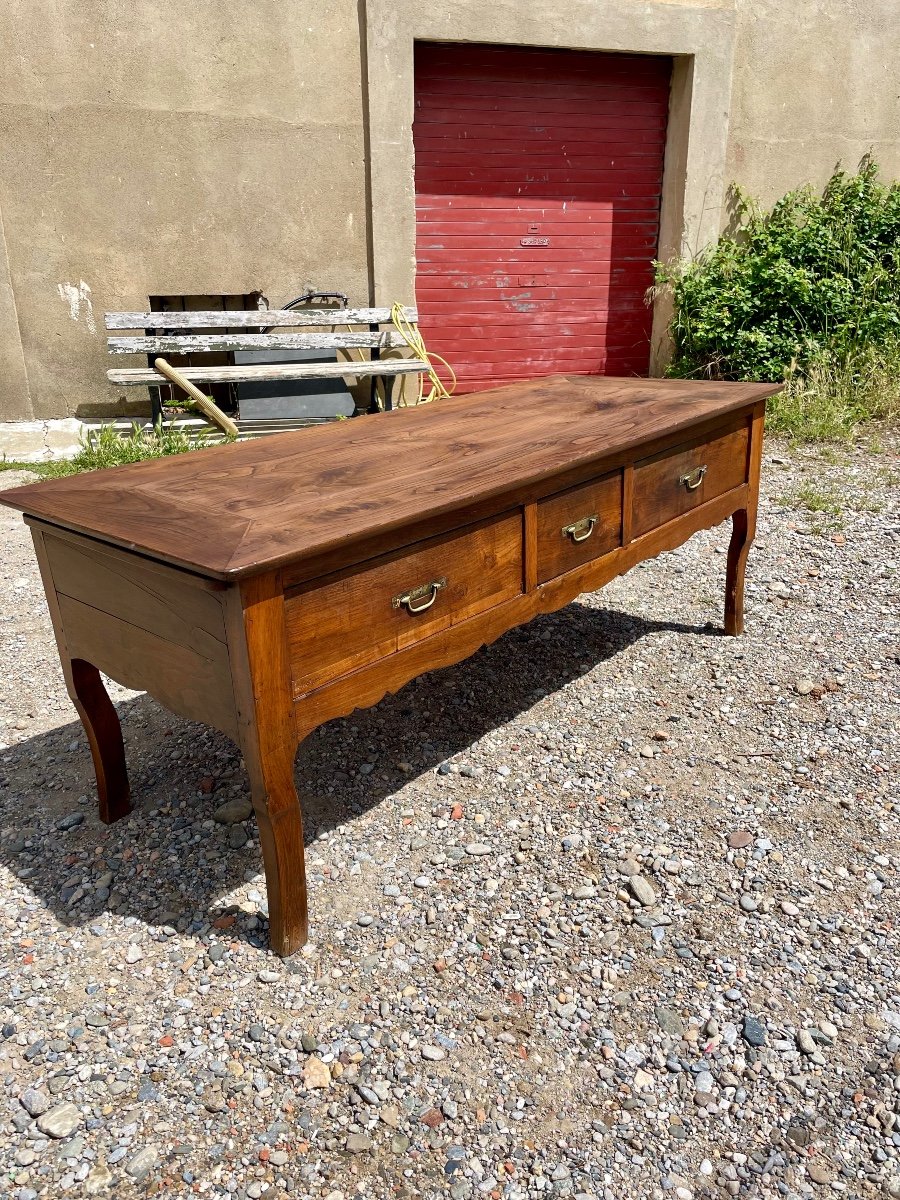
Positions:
{"x": 234, "y": 510}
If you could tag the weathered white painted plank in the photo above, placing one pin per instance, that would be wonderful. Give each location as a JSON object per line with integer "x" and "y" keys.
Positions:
{"x": 253, "y": 318}
{"x": 216, "y": 342}
{"x": 270, "y": 371}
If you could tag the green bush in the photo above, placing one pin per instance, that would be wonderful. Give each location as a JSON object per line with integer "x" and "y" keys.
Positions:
{"x": 808, "y": 293}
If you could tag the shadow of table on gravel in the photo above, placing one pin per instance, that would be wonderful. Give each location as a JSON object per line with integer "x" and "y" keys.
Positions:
{"x": 168, "y": 867}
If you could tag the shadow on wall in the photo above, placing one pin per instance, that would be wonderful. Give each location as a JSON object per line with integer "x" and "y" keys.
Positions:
{"x": 167, "y": 868}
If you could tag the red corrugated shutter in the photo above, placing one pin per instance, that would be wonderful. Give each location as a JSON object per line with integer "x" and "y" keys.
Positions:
{"x": 538, "y": 182}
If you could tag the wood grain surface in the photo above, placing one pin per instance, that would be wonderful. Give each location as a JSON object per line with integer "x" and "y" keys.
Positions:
{"x": 254, "y": 318}
{"x": 660, "y": 492}
{"x": 344, "y": 368}
{"x": 236, "y": 510}
{"x": 558, "y": 552}
{"x": 149, "y": 627}
{"x": 339, "y": 624}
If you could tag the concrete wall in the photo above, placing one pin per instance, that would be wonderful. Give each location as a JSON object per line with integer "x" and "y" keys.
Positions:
{"x": 214, "y": 146}
{"x": 220, "y": 146}
{"x": 815, "y": 82}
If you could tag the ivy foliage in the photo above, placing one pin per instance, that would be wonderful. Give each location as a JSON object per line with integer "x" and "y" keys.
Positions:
{"x": 816, "y": 280}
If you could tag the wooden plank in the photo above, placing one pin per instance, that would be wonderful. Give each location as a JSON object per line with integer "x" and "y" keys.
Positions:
{"x": 270, "y": 371}
{"x": 216, "y": 342}
{"x": 530, "y": 545}
{"x": 254, "y": 318}
{"x": 235, "y": 510}
{"x": 185, "y": 681}
{"x": 627, "y": 502}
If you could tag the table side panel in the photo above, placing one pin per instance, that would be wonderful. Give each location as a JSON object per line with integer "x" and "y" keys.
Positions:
{"x": 368, "y": 685}
{"x": 339, "y": 624}
{"x": 149, "y": 627}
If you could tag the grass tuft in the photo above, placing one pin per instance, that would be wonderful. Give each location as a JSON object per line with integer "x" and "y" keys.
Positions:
{"x": 108, "y": 448}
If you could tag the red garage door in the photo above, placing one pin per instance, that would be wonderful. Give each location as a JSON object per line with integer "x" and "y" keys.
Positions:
{"x": 538, "y": 182}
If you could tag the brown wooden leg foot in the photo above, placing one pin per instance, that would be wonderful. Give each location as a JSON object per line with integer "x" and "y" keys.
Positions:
{"x": 104, "y": 733}
{"x": 280, "y": 822}
{"x": 741, "y": 539}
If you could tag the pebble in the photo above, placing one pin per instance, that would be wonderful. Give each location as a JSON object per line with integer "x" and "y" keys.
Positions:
{"x": 748, "y": 903}
{"x": 358, "y": 1143}
{"x": 806, "y": 1042}
{"x": 477, "y": 849}
{"x": 316, "y": 1074}
{"x": 59, "y": 1122}
{"x": 70, "y": 821}
{"x": 740, "y": 839}
{"x": 143, "y": 1162}
{"x": 34, "y": 1101}
{"x": 642, "y": 890}
{"x": 234, "y": 811}
{"x": 237, "y": 837}
{"x": 754, "y": 1031}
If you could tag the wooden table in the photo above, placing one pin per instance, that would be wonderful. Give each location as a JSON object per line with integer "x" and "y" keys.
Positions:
{"x": 266, "y": 587}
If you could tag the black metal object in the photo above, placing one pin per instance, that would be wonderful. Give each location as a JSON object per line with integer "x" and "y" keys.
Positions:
{"x": 306, "y": 298}
{"x": 296, "y": 399}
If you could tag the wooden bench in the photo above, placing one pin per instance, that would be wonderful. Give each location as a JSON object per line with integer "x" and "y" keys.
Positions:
{"x": 219, "y": 335}
{"x": 267, "y": 588}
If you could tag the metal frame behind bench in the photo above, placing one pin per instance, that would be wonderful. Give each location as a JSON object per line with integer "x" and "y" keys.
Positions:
{"x": 175, "y": 333}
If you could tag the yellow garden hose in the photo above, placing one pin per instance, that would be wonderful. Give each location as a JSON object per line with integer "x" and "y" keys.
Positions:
{"x": 413, "y": 338}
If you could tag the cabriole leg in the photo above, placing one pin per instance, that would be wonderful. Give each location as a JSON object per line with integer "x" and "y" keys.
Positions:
{"x": 741, "y": 539}
{"x": 280, "y": 823}
{"x": 104, "y": 733}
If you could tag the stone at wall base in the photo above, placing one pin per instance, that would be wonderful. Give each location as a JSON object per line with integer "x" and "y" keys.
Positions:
{"x": 40, "y": 441}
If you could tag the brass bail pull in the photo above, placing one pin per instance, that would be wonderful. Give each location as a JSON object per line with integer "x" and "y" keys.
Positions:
{"x": 580, "y": 531}
{"x": 693, "y": 479}
{"x": 420, "y": 598}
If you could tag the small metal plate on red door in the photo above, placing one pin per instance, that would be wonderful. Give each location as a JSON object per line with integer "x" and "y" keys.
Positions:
{"x": 534, "y": 241}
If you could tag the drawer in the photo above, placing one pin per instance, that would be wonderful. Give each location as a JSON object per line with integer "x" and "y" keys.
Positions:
{"x": 356, "y": 617}
{"x": 683, "y": 477}
{"x": 578, "y": 525}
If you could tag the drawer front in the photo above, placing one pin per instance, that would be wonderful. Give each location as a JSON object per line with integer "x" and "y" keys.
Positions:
{"x": 346, "y": 621}
{"x": 578, "y": 525}
{"x": 677, "y": 480}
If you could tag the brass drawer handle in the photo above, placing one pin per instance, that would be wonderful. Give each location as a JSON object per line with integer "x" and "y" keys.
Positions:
{"x": 427, "y": 592}
{"x": 693, "y": 479}
{"x": 580, "y": 531}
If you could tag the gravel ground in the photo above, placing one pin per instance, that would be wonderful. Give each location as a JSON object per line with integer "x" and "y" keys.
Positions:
{"x": 607, "y": 911}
